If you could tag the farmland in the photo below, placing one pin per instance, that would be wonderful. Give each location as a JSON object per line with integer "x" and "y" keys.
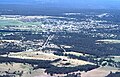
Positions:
{"x": 82, "y": 44}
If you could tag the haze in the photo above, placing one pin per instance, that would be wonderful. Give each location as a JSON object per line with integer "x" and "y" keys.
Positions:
{"x": 87, "y": 4}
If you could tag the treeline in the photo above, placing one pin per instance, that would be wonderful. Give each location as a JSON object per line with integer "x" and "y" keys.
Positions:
{"x": 85, "y": 58}
{"x": 104, "y": 61}
{"x": 46, "y": 64}
{"x": 66, "y": 70}
{"x": 41, "y": 63}
{"x": 5, "y": 76}
{"x": 73, "y": 75}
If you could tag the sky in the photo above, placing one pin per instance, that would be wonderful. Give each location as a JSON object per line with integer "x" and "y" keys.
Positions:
{"x": 93, "y": 4}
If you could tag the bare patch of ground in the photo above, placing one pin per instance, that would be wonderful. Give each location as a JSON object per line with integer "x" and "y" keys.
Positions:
{"x": 19, "y": 67}
{"x": 100, "y": 72}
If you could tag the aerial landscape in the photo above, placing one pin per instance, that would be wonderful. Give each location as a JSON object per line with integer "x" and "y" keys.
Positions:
{"x": 58, "y": 38}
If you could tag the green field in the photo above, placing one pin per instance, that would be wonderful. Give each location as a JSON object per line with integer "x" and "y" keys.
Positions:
{"x": 17, "y": 23}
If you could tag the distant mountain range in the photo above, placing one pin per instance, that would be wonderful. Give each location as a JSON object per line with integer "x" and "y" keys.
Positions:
{"x": 87, "y": 4}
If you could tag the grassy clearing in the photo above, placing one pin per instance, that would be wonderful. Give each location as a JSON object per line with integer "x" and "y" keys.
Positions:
{"x": 46, "y": 56}
{"x": 76, "y": 53}
{"x": 108, "y": 41}
{"x": 116, "y": 58}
